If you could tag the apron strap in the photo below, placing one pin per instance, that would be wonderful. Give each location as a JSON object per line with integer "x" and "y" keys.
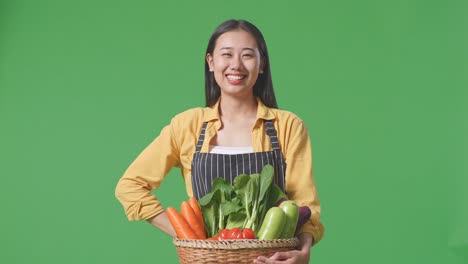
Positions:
{"x": 271, "y": 132}
{"x": 201, "y": 138}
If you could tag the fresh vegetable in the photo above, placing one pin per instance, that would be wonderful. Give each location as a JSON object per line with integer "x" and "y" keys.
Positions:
{"x": 248, "y": 233}
{"x": 217, "y": 206}
{"x": 235, "y": 233}
{"x": 224, "y": 234}
{"x": 280, "y": 201}
{"x": 191, "y": 218}
{"x": 196, "y": 209}
{"x": 240, "y": 205}
{"x": 304, "y": 216}
{"x": 291, "y": 210}
{"x": 179, "y": 224}
{"x": 273, "y": 224}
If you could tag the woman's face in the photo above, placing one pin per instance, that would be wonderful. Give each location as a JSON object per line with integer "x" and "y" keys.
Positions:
{"x": 235, "y": 62}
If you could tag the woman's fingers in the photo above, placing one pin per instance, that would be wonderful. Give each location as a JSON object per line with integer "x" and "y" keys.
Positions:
{"x": 277, "y": 258}
{"x": 285, "y": 257}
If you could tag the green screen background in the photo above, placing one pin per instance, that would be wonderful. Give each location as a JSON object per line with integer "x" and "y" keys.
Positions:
{"x": 381, "y": 85}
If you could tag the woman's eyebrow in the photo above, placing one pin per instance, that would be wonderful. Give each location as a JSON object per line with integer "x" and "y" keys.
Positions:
{"x": 229, "y": 48}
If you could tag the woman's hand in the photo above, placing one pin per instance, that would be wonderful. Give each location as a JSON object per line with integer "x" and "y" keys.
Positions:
{"x": 300, "y": 256}
{"x": 286, "y": 257}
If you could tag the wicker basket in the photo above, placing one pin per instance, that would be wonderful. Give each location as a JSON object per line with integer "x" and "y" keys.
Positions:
{"x": 229, "y": 251}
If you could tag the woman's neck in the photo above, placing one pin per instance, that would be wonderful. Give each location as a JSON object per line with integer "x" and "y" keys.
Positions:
{"x": 235, "y": 108}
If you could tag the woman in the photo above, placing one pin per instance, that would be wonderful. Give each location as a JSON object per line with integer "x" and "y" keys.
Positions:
{"x": 239, "y": 129}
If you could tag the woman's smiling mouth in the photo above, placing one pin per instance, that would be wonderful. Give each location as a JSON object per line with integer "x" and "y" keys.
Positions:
{"x": 235, "y": 79}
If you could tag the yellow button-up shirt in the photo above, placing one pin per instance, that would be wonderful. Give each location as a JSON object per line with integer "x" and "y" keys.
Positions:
{"x": 175, "y": 146}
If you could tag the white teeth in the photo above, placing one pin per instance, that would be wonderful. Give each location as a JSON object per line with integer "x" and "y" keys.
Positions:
{"x": 235, "y": 77}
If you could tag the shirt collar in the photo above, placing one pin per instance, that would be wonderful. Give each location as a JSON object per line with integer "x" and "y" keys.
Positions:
{"x": 263, "y": 112}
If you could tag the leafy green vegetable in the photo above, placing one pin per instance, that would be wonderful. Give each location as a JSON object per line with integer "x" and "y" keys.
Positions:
{"x": 256, "y": 198}
{"x": 243, "y": 204}
{"x": 209, "y": 205}
{"x": 217, "y": 206}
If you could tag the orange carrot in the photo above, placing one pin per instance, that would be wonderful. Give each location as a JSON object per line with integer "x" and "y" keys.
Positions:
{"x": 191, "y": 218}
{"x": 179, "y": 224}
{"x": 196, "y": 209}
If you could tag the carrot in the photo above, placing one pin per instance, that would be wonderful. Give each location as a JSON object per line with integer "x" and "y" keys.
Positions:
{"x": 196, "y": 209}
{"x": 179, "y": 224}
{"x": 191, "y": 218}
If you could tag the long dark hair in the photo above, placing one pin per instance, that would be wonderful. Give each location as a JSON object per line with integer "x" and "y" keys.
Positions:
{"x": 263, "y": 87}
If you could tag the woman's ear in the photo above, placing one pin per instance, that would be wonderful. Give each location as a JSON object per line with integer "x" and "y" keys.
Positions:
{"x": 262, "y": 64}
{"x": 209, "y": 60}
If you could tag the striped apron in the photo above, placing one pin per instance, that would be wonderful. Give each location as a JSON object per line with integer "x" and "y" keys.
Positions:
{"x": 207, "y": 166}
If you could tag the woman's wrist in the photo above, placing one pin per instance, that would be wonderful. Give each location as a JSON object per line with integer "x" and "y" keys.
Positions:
{"x": 306, "y": 241}
{"x": 162, "y": 222}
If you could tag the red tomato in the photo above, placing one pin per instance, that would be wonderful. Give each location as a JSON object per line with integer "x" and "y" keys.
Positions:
{"x": 224, "y": 234}
{"x": 235, "y": 233}
{"x": 247, "y": 233}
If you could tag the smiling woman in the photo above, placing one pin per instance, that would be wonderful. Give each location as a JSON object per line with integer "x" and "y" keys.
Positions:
{"x": 241, "y": 113}
{"x": 236, "y": 63}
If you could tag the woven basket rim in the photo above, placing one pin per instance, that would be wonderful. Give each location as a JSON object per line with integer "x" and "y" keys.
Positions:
{"x": 236, "y": 243}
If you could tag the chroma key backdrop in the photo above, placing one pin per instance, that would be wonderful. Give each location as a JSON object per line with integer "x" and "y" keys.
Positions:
{"x": 86, "y": 85}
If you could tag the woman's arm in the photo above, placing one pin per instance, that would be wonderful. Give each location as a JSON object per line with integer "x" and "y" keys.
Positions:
{"x": 145, "y": 174}
{"x": 162, "y": 222}
{"x": 300, "y": 184}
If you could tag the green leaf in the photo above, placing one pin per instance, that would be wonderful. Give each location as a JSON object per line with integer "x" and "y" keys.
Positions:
{"x": 241, "y": 188}
{"x": 254, "y": 188}
{"x": 236, "y": 220}
{"x": 210, "y": 209}
{"x": 210, "y": 217}
{"x": 236, "y": 200}
{"x": 251, "y": 200}
{"x": 221, "y": 184}
{"x": 275, "y": 194}
{"x": 266, "y": 180}
{"x": 228, "y": 208}
{"x": 206, "y": 199}
{"x": 241, "y": 181}
{"x": 224, "y": 187}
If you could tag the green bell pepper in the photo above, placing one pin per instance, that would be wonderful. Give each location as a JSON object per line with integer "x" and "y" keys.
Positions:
{"x": 291, "y": 211}
{"x": 273, "y": 224}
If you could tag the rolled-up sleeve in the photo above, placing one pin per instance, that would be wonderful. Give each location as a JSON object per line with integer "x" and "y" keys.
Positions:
{"x": 146, "y": 173}
{"x": 300, "y": 184}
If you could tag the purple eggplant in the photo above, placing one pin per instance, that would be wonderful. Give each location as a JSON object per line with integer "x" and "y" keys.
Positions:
{"x": 304, "y": 215}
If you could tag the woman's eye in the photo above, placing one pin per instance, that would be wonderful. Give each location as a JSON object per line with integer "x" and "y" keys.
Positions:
{"x": 247, "y": 55}
{"x": 226, "y": 54}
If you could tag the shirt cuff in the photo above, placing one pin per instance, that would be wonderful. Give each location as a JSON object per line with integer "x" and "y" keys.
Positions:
{"x": 144, "y": 210}
{"x": 315, "y": 228}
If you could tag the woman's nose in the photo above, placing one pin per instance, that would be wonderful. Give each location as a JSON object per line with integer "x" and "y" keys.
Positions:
{"x": 236, "y": 63}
